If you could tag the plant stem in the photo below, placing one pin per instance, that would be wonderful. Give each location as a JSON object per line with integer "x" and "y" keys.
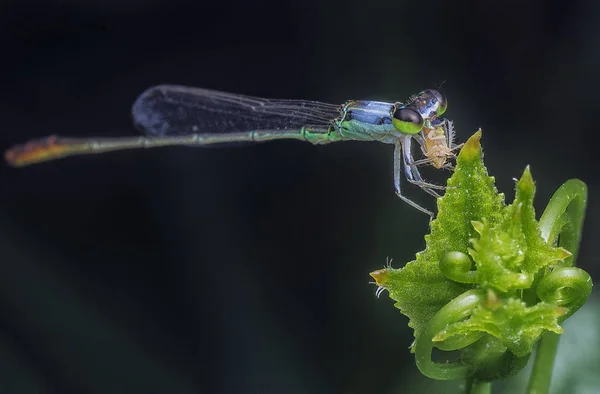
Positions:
{"x": 474, "y": 386}
{"x": 570, "y": 200}
{"x": 541, "y": 374}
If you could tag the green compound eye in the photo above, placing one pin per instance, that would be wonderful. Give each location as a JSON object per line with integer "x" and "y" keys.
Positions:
{"x": 407, "y": 121}
{"x": 442, "y": 102}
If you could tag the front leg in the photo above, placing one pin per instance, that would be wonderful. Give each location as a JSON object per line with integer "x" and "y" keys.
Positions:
{"x": 398, "y": 175}
{"x": 412, "y": 172}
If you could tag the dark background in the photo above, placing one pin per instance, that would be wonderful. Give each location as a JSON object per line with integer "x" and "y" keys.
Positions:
{"x": 245, "y": 270}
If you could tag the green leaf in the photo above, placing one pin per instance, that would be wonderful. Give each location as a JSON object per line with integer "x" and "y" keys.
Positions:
{"x": 420, "y": 289}
{"x": 509, "y": 253}
{"x": 511, "y": 321}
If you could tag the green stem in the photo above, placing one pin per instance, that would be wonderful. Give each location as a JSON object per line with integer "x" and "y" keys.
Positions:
{"x": 570, "y": 199}
{"x": 567, "y": 204}
{"x": 454, "y": 311}
{"x": 474, "y": 386}
{"x": 541, "y": 374}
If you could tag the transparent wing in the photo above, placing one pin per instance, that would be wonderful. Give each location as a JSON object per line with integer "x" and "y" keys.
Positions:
{"x": 170, "y": 110}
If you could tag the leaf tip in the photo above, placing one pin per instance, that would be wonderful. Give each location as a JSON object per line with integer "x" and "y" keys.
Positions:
{"x": 563, "y": 253}
{"x": 380, "y": 276}
{"x": 477, "y": 226}
{"x": 526, "y": 182}
{"x": 472, "y": 147}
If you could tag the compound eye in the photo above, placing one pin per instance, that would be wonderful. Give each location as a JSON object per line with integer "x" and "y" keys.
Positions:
{"x": 407, "y": 121}
{"x": 442, "y": 102}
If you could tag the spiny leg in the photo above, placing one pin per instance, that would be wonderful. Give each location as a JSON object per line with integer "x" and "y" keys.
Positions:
{"x": 449, "y": 167}
{"x": 412, "y": 172}
{"x": 457, "y": 147}
{"x": 398, "y": 174}
{"x": 448, "y": 126}
{"x": 422, "y": 162}
{"x": 421, "y": 141}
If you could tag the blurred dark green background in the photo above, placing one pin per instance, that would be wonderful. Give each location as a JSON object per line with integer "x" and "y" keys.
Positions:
{"x": 245, "y": 270}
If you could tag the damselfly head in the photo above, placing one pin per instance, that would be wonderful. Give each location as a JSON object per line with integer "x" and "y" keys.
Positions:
{"x": 429, "y": 103}
{"x": 435, "y": 99}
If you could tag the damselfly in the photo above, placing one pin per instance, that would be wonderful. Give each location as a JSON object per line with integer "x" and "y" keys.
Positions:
{"x": 178, "y": 115}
